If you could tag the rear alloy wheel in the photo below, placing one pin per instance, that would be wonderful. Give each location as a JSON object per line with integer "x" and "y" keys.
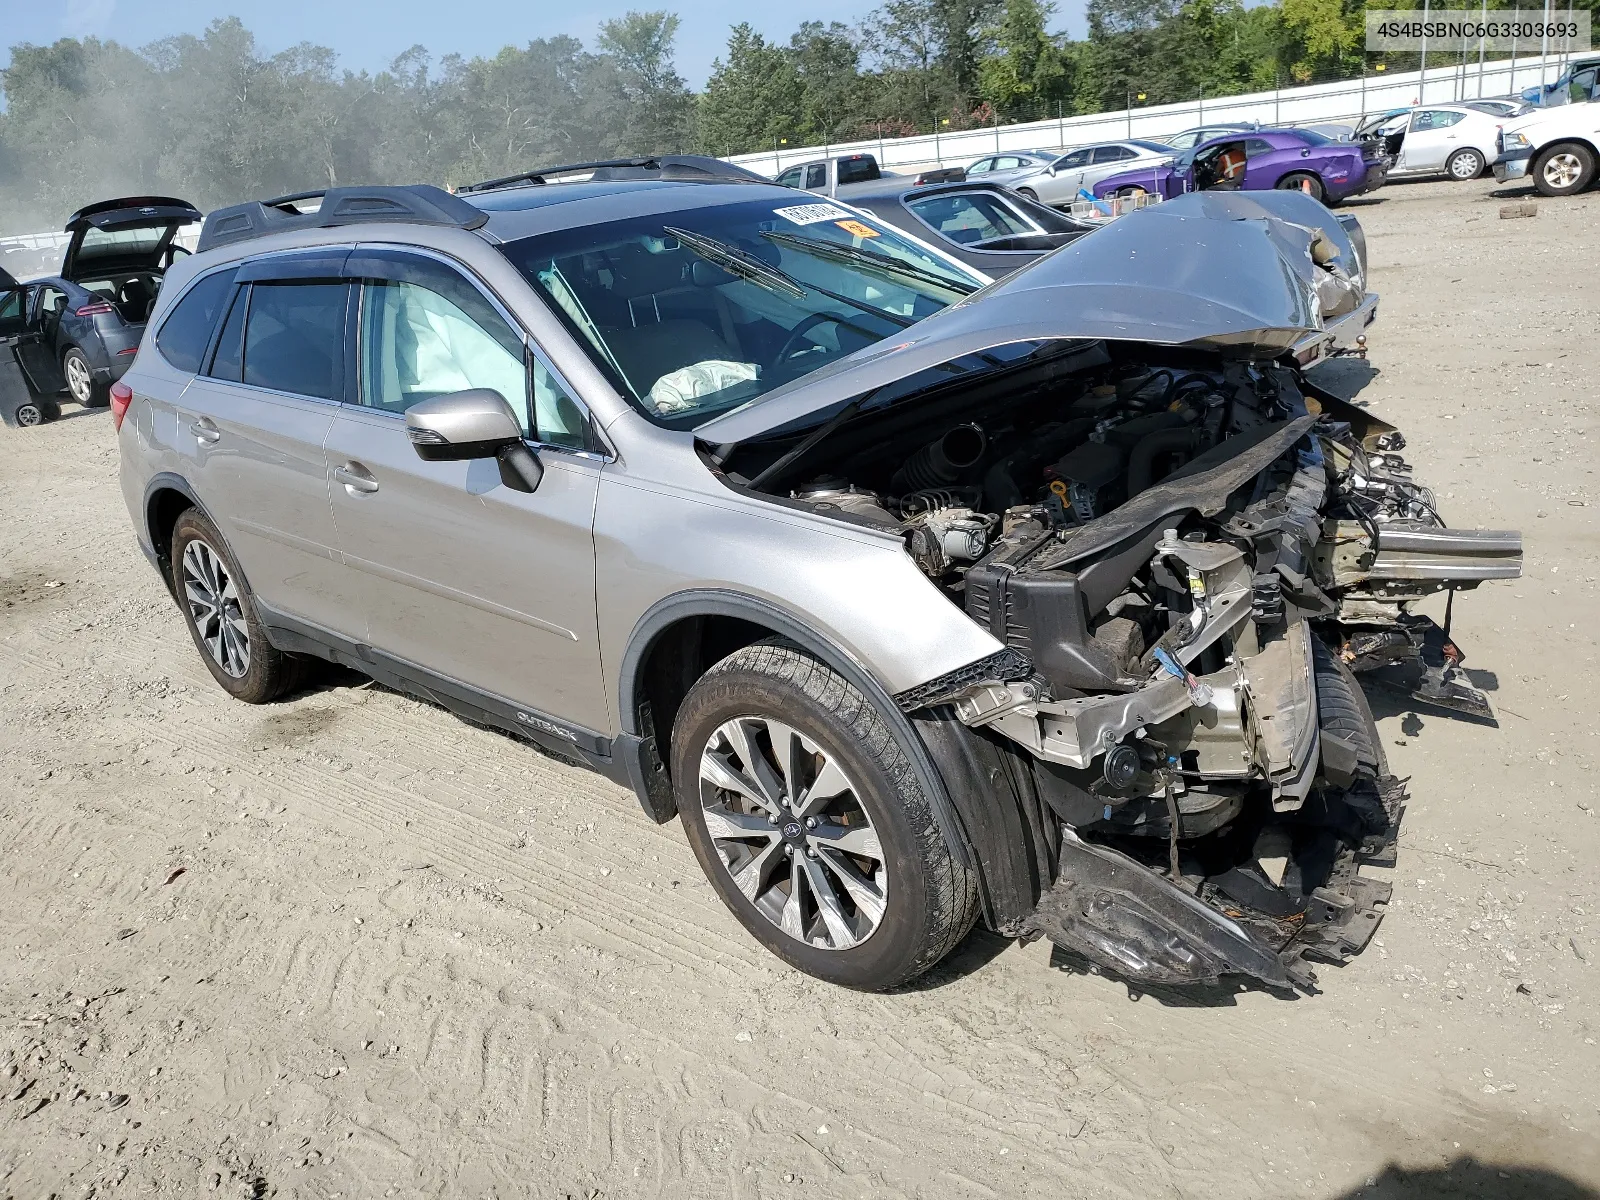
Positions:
{"x": 81, "y": 385}
{"x": 30, "y": 413}
{"x": 1464, "y": 165}
{"x": 1564, "y": 170}
{"x": 807, "y": 818}
{"x": 220, "y": 612}
{"x": 1296, "y": 181}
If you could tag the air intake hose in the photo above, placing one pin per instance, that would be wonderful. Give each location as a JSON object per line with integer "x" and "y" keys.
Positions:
{"x": 942, "y": 462}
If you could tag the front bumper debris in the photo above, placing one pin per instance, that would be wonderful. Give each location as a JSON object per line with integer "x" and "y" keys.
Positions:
{"x": 1511, "y": 166}
{"x": 1125, "y": 918}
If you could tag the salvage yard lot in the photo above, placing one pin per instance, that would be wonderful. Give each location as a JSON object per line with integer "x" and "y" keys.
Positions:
{"x": 408, "y": 956}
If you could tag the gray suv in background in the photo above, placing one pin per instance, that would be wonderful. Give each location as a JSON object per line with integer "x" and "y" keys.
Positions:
{"x": 919, "y": 601}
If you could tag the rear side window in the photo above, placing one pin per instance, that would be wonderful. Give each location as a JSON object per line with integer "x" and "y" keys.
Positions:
{"x": 227, "y": 362}
{"x": 816, "y": 176}
{"x": 294, "y": 338}
{"x": 186, "y": 332}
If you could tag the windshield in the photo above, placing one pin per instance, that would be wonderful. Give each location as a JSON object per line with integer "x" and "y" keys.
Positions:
{"x": 706, "y": 309}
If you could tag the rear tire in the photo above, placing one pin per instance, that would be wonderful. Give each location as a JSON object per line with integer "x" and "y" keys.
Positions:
{"x": 81, "y": 384}
{"x": 1292, "y": 183}
{"x": 1464, "y": 165}
{"x": 1564, "y": 169}
{"x": 896, "y": 900}
{"x": 221, "y": 615}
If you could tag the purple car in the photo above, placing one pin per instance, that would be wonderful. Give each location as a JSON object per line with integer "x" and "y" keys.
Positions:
{"x": 1273, "y": 158}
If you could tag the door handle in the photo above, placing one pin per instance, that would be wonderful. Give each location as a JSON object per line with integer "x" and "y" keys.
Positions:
{"x": 205, "y": 430}
{"x": 356, "y": 478}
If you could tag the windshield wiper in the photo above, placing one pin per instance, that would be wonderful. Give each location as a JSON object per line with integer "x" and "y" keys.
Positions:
{"x": 738, "y": 261}
{"x": 866, "y": 258}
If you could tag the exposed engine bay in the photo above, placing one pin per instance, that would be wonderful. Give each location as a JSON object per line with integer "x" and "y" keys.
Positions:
{"x": 1187, "y": 558}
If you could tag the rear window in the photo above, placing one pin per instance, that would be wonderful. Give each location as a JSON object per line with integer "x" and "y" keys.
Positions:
{"x": 186, "y": 332}
{"x": 294, "y": 338}
{"x": 855, "y": 170}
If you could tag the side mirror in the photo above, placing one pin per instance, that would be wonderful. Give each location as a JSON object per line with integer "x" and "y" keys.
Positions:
{"x": 470, "y": 424}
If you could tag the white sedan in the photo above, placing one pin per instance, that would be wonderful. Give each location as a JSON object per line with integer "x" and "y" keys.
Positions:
{"x": 1443, "y": 139}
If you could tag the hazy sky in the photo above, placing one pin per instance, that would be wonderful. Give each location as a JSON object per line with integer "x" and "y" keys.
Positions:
{"x": 368, "y": 35}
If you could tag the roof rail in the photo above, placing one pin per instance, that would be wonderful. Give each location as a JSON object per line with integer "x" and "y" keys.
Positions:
{"x": 418, "y": 204}
{"x": 682, "y": 167}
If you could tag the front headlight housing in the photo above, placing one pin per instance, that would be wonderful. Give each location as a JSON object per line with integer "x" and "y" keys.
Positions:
{"x": 1515, "y": 141}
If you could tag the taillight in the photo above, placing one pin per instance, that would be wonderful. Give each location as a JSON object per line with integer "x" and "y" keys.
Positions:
{"x": 121, "y": 398}
{"x": 95, "y": 309}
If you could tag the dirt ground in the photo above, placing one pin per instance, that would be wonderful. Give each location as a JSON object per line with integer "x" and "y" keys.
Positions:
{"x": 350, "y": 946}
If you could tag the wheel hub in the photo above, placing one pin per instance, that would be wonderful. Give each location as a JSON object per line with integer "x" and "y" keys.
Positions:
{"x": 215, "y": 608}
{"x": 790, "y": 831}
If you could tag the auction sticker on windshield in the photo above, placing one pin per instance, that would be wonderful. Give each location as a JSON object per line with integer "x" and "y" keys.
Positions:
{"x": 811, "y": 214}
{"x": 857, "y": 229}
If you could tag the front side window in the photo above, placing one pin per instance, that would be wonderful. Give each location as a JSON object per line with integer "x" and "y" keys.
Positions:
{"x": 185, "y": 334}
{"x": 417, "y": 344}
{"x": 1078, "y": 158}
{"x": 294, "y": 338}
{"x": 699, "y": 310}
{"x": 970, "y": 219}
{"x": 983, "y": 165}
{"x": 790, "y": 178}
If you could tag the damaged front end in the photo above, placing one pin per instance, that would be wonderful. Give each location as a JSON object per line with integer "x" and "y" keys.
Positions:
{"x": 1186, "y": 550}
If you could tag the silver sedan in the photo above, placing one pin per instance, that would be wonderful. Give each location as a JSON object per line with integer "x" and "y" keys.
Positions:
{"x": 1059, "y": 182}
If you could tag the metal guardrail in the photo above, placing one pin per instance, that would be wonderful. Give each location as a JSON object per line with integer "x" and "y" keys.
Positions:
{"x": 1342, "y": 100}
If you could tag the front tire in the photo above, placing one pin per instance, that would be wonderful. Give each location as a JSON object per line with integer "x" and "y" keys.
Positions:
{"x": 807, "y": 818}
{"x": 81, "y": 385}
{"x": 1564, "y": 169}
{"x": 221, "y": 615}
{"x": 1028, "y": 194}
{"x": 1464, "y": 165}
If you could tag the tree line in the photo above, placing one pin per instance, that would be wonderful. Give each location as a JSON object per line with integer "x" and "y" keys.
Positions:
{"x": 214, "y": 119}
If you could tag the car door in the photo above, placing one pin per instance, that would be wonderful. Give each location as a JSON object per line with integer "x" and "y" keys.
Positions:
{"x": 1263, "y": 163}
{"x": 1107, "y": 161}
{"x": 1429, "y": 140}
{"x": 36, "y": 343}
{"x": 461, "y": 576}
{"x": 1066, "y": 177}
{"x": 266, "y": 345}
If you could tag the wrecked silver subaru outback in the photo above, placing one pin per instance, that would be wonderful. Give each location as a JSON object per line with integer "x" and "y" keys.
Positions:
{"x": 919, "y": 600}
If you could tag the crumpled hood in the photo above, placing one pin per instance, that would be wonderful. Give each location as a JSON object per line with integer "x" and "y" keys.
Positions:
{"x": 1172, "y": 274}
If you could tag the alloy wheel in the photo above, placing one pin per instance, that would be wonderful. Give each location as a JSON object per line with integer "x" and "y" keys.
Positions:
{"x": 790, "y": 829}
{"x": 79, "y": 384}
{"x": 1562, "y": 170}
{"x": 29, "y": 415}
{"x": 214, "y": 606}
